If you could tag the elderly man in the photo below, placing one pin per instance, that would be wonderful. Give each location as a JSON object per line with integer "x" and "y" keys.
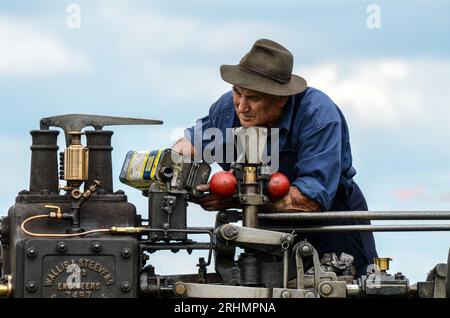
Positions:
{"x": 314, "y": 147}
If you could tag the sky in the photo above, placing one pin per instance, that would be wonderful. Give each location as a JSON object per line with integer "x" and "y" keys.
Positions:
{"x": 385, "y": 63}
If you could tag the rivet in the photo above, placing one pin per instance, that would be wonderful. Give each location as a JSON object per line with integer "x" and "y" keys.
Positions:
{"x": 96, "y": 246}
{"x": 31, "y": 286}
{"x": 62, "y": 246}
{"x": 32, "y": 252}
{"x": 126, "y": 252}
{"x": 126, "y": 287}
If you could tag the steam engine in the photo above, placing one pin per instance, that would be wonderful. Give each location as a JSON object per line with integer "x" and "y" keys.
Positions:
{"x": 84, "y": 240}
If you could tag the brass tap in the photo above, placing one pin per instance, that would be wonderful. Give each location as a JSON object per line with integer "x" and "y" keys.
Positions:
{"x": 55, "y": 214}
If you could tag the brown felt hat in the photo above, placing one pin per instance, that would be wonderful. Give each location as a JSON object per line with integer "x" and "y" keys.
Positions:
{"x": 266, "y": 68}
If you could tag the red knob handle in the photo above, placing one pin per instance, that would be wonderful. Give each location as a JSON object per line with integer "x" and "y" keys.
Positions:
{"x": 278, "y": 186}
{"x": 223, "y": 184}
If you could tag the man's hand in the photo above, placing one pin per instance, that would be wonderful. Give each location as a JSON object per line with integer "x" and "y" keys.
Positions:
{"x": 184, "y": 147}
{"x": 211, "y": 202}
{"x": 295, "y": 201}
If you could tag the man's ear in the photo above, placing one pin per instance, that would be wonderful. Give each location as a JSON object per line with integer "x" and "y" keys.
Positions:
{"x": 282, "y": 101}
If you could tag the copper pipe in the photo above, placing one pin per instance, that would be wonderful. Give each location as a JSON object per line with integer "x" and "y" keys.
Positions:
{"x": 40, "y": 216}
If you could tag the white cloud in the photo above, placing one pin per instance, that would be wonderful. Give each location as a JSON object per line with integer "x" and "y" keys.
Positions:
{"x": 174, "y": 53}
{"x": 161, "y": 32}
{"x": 27, "y": 49}
{"x": 180, "y": 49}
{"x": 187, "y": 82}
{"x": 14, "y": 169}
{"x": 386, "y": 93}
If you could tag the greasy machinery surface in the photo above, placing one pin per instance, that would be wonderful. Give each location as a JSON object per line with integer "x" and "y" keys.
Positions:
{"x": 86, "y": 242}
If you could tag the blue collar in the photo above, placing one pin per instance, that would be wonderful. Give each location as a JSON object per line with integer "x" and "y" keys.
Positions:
{"x": 286, "y": 118}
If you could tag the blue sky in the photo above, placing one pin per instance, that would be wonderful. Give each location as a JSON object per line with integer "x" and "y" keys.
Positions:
{"x": 160, "y": 60}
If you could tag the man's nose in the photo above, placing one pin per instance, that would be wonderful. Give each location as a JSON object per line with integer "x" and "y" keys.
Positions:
{"x": 243, "y": 104}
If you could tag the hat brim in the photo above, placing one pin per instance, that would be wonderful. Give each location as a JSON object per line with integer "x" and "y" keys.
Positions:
{"x": 236, "y": 75}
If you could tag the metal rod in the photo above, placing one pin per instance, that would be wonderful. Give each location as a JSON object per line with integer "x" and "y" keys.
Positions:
{"x": 190, "y": 230}
{"x": 285, "y": 268}
{"x": 365, "y": 228}
{"x": 250, "y": 216}
{"x": 159, "y": 247}
{"x": 357, "y": 215}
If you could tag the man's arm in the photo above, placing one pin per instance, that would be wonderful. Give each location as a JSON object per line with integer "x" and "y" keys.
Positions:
{"x": 295, "y": 201}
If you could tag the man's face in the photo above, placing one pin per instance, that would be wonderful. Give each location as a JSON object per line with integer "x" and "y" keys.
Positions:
{"x": 257, "y": 109}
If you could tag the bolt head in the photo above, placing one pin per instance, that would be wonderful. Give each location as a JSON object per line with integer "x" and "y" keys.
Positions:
{"x": 310, "y": 295}
{"x": 305, "y": 249}
{"x": 180, "y": 289}
{"x": 285, "y": 294}
{"x": 326, "y": 289}
{"x": 441, "y": 270}
{"x": 229, "y": 231}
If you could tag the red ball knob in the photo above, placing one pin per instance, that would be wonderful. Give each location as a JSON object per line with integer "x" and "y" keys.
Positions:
{"x": 223, "y": 184}
{"x": 278, "y": 186}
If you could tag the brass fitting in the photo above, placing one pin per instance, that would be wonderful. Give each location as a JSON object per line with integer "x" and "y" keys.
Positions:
{"x": 127, "y": 230}
{"x": 76, "y": 194}
{"x": 92, "y": 188}
{"x": 6, "y": 287}
{"x": 65, "y": 188}
{"x": 250, "y": 175}
{"x": 55, "y": 214}
{"x": 382, "y": 263}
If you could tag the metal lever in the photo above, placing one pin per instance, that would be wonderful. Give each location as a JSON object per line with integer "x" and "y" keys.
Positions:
{"x": 76, "y": 122}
